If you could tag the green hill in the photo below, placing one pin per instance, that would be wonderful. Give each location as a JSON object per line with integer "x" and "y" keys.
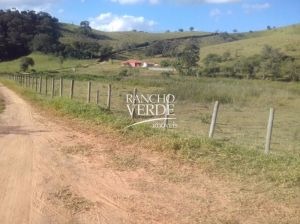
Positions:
{"x": 117, "y": 39}
{"x": 287, "y": 39}
{"x": 135, "y": 45}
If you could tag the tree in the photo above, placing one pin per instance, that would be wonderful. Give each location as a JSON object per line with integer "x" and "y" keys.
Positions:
{"x": 269, "y": 27}
{"x": 192, "y": 29}
{"x": 271, "y": 59}
{"x": 61, "y": 60}
{"x": 234, "y": 30}
{"x": 44, "y": 43}
{"x": 187, "y": 59}
{"x": 20, "y": 32}
{"x": 25, "y": 62}
{"x": 85, "y": 28}
{"x": 211, "y": 62}
{"x": 249, "y": 65}
{"x": 180, "y": 30}
{"x": 291, "y": 69}
{"x": 226, "y": 56}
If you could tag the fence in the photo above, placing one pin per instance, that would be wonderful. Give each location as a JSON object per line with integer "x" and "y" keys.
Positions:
{"x": 226, "y": 123}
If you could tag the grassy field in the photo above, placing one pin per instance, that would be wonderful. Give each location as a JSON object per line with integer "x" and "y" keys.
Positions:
{"x": 237, "y": 148}
{"x": 276, "y": 174}
{"x": 46, "y": 63}
{"x": 244, "y": 106}
{"x": 287, "y": 39}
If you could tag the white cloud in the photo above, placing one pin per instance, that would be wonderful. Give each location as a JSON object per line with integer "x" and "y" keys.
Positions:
{"x": 124, "y": 2}
{"x": 36, "y": 5}
{"x": 217, "y": 13}
{"x": 256, "y": 7}
{"x": 112, "y": 22}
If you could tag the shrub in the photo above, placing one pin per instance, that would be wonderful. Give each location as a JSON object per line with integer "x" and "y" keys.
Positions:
{"x": 25, "y": 62}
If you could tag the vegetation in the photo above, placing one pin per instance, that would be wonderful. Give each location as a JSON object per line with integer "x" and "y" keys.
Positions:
{"x": 25, "y": 62}
{"x": 270, "y": 63}
{"x": 217, "y": 156}
{"x": 187, "y": 59}
{"x": 2, "y": 104}
{"x": 22, "y": 32}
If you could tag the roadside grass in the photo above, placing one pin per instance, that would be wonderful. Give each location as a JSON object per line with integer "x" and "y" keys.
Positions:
{"x": 2, "y": 104}
{"x": 243, "y": 114}
{"x": 221, "y": 158}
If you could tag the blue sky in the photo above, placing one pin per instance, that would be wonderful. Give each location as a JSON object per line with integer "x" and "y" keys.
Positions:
{"x": 162, "y": 15}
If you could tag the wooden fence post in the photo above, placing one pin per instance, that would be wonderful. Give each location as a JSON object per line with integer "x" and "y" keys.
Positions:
{"x": 46, "y": 85}
{"x": 88, "y": 97}
{"x": 72, "y": 89}
{"x": 108, "y": 96}
{"x": 53, "y": 87}
{"x": 41, "y": 83}
{"x": 213, "y": 120}
{"x": 61, "y": 87}
{"x": 36, "y": 84}
{"x": 134, "y": 103}
{"x": 269, "y": 131}
{"x": 97, "y": 97}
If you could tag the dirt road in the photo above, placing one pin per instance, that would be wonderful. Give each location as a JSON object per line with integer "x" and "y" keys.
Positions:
{"x": 51, "y": 173}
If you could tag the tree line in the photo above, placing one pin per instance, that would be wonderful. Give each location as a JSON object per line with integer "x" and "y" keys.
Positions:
{"x": 271, "y": 63}
{"x": 26, "y": 31}
{"x": 22, "y": 32}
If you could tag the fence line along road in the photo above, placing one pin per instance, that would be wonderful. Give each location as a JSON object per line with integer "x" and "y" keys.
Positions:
{"x": 36, "y": 83}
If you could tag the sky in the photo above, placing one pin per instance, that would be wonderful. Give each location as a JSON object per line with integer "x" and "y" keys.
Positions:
{"x": 163, "y": 15}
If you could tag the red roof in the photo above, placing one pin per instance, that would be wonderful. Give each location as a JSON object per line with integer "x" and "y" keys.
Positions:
{"x": 132, "y": 61}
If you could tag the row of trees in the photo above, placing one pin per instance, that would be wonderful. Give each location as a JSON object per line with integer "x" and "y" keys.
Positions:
{"x": 26, "y": 31}
{"x": 22, "y": 32}
{"x": 270, "y": 63}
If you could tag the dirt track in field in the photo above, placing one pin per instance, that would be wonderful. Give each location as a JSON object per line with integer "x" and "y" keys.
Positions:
{"x": 51, "y": 173}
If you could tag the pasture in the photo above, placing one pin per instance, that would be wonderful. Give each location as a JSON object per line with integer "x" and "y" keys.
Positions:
{"x": 244, "y": 105}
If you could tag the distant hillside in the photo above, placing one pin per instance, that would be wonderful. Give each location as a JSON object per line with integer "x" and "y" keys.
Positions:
{"x": 118, "y": 39}
{"x": 270, "y": 54}
{"x": 247, "y": 44}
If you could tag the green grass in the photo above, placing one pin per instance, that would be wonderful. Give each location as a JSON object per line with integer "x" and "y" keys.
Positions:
{"x": 44, "y": 63}
{"x": 287, "y": 39}
{"x": 2, "y": 104}
{"x": 217, "y": 156}
{"x": 239, "y": 138}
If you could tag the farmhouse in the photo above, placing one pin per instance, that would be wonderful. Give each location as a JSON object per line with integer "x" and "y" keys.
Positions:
{"x": 136, "y": 63}
{"x": 132, "y": 63}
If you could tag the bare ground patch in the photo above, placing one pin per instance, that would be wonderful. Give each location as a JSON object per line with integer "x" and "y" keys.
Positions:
{"x": 71, "y": 201}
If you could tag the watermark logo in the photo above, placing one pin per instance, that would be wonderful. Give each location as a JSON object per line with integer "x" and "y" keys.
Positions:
{"x": 158, "y": 109}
